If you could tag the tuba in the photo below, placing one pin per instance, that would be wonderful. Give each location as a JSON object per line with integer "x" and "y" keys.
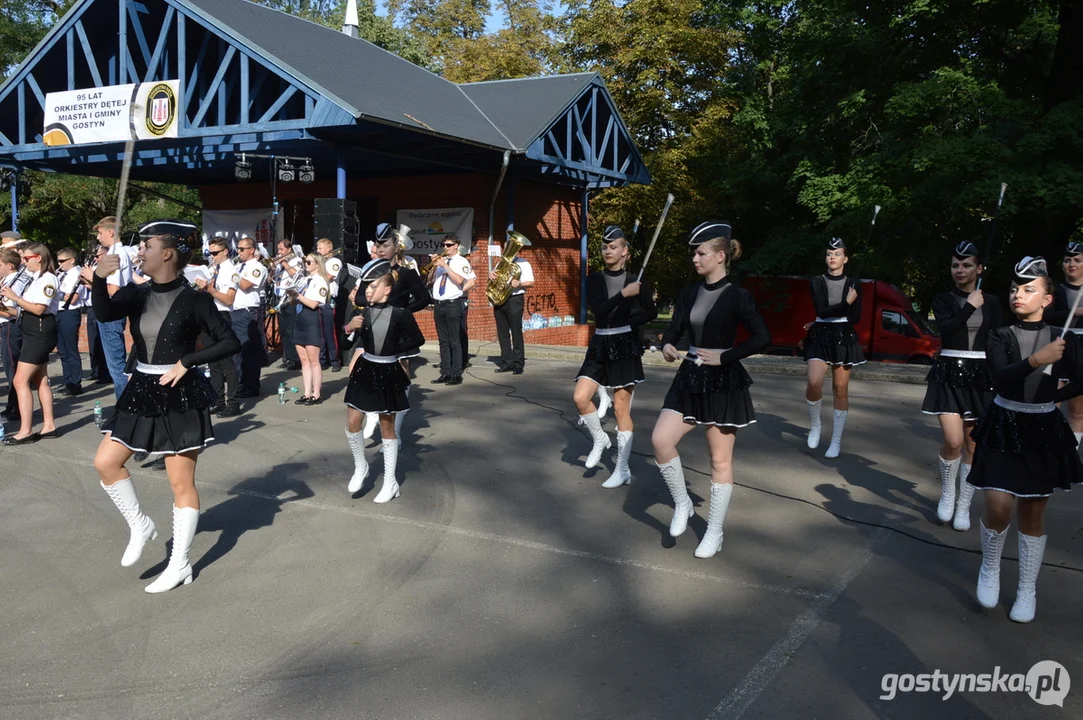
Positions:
{"x": 506, "y": 270}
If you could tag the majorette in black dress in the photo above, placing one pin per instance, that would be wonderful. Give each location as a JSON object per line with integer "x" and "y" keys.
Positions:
{"x": 960, "y": 381}
{"x": 378, "y": 383}
{"x": 710, "y": 394}
{"x": 832, "y": 338}
{"x": 1025, "y": 446}
{"x": 1063, "y": 298}
{"x": 615, "y": 353}
{"x": 166, "y": 321}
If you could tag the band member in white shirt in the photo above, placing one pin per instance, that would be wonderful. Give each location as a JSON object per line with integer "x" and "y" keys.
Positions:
{"x": 69, "y": 318}
{"x": 509, "y": 322}
{"x": 247, "y": 325}
{"x": 449, "y": 276}
{"x": 38, "y": 324}
{"x": 16, "y": 277}
{"x": 332, "y": 317}
{"x": 286, "y": 272}
{"x": 310, "y": 293}
{"x": 112, "y": 333}
{"x": 222, "y": 286}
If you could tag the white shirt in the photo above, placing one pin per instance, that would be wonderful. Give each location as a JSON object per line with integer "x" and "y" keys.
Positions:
{"x": 443, "y": 288}
{"x": 315, "y": 288}
{"x": 526, "y": 275}
{"x": 334, "y": 266}
{"x": 225, "y": 278}
{"x": 254, "y": 272}
{"x": 285, "y": 280}
{"x": 123, "y": 274}
{"x": 43, "y": 291}
{"x": 69, "y": 283}
{"x": 17, "y": 281}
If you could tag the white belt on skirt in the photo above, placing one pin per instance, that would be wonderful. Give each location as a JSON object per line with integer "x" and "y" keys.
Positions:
{"x": 964, "y": 354}
{"x": 614, "y": 331}
{"x": 693, "y": 353}
{"x": 1031, "y": 408}
{"x": 153, "y": 369}
{"x": 832, "y": 320}
{"x": 385, "y": 359}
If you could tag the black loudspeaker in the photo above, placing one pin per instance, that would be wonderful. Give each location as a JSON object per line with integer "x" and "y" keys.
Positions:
{"x": 336, "y": 219}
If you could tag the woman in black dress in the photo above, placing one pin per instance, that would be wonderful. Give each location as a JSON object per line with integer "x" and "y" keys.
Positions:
{"x": 832, "y": 342}
{"x": 37, "y": 321}
{"x": 960, "y": 383}
{"x": 1057, "y": 314}
{"x": 621, "y": 304}
{"x": 711, "y": 385}
{"x": 409, "y": 292}
{"x": 1025, "y": 448}
{"x": 385, "y": 335}
{"x": 165, "y": 409}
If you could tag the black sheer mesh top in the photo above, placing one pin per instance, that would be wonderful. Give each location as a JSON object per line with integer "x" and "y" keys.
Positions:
{"x": 963, "y": 326}
{"x": 167, "y": 321}
{"x": 612, "y": 309}
{"x": 712, "y": 312}
{"x": 1007, "y": 352}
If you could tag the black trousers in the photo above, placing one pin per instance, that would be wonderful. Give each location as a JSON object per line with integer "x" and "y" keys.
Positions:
{"x": 11, "y": 343}
{"x": 248, "y": 362}
{"x": 223, "y": 372}
{"x": 448, "y": 315}
{"x": 287, "y": 320}
{"x": 329, "y": 354}
{"x": 509, "y": 331}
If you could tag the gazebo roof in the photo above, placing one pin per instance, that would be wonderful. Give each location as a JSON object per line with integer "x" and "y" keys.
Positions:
{"x": 257, "y": 80}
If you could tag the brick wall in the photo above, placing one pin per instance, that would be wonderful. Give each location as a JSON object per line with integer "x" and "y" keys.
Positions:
{"x": 547, "y": 214}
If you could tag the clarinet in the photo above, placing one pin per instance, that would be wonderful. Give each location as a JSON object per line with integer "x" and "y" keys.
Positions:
{"x": 71, "y": 295}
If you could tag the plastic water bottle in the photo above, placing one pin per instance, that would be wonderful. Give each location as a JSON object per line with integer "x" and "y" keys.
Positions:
{"x": 281, "y": 393}
{"x": 99, "y": 419}
{"x": 1, "y": 432}
{"x": 294, "y": 390}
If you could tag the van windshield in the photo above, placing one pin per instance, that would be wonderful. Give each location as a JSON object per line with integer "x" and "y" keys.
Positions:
{"x": 920, "y": 322}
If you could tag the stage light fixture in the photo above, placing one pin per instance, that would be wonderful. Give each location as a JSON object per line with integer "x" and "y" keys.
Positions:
{"x": 307, "y": 173}
{"x": 286, "y": 172}
{"x": 243, "y": 171}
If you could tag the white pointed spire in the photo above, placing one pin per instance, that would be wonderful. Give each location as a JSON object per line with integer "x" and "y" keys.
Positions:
{"x": 351, "y": 27}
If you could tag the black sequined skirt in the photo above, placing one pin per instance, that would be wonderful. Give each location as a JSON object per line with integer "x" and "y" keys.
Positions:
{"x": 378, "y": 387}
{"x": 958, "y": 386}
{"x": 614, "y": 361}
{"x": 150, "y": 417}
{"x": 834, "y": 343}
{"x": 711, "y": 394}
{"x": 1024, "y": 454}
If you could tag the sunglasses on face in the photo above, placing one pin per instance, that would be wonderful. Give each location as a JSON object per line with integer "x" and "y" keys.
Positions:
{"x": 243, "y": 249}
{"x": 215, "y": 253}
{"x": 28, "y": 256}
{"x": 450, "y": 244}
{"x": 309, "y": 262}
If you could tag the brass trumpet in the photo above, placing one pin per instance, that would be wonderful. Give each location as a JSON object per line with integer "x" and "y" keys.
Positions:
{"x": 429, "y": 268}
{"x": 284, "y": 256}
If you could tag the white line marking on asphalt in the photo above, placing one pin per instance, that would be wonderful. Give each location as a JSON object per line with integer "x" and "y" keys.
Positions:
{"x": 761, "y": 675}
{"x": 491, "y": 537}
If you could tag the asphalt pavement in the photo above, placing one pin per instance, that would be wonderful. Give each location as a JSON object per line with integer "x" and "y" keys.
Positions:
{"x": 506, "y": 583}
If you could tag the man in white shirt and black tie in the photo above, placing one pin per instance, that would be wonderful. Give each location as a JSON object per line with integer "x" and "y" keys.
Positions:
{"x": 450, "y": 275}
{"x": 222, "y": 286}
{"x": 246, "y": 317}
{"x": 509, "y": 322}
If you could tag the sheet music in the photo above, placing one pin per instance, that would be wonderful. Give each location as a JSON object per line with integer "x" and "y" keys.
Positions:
{"x": 194, "y": 272}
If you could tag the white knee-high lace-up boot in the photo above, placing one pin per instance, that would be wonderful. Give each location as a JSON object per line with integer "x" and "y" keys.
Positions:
{"x": 948, "y": 470}
{"x": 372, "y": 421}
{"x": 961, "y": 521}
{"x": 142, "y": 527}
{"x": 720, "y": 504}
{"x": 597, "y": 436}
{"x": 390, "y": 489}
{"x": 814, "y": 423}
{"x": 1031, "y": 552}
{"x": 992, "y": 546}
{"x": 673, "y": 474}
{"x": 621, "y": 474}
{"x": 360, "y": 464}
{"x": 179, "y": 569}
{"x": 836, "y": 434}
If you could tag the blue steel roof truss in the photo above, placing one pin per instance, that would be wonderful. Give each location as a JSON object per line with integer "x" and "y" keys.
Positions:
{"x": 588, "y": 144}
{"x": 226, "y": 90}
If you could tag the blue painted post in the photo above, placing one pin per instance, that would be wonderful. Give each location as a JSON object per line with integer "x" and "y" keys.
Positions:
{"x": 122, "y": 55}
{"x": 15, "y": 201}
{"x": 583, "y": 260}
{"x": 340, "y": 171}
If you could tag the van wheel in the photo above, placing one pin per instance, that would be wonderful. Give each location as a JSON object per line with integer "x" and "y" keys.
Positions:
{"x": 919, "y": 360}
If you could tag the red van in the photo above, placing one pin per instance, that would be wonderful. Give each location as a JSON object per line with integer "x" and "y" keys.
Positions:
{"x": 889, "y": 331}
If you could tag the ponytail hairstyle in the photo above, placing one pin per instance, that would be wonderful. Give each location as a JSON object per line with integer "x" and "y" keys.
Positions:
{"x": 389, "y": 278}
{"x": 176, "y": 235}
